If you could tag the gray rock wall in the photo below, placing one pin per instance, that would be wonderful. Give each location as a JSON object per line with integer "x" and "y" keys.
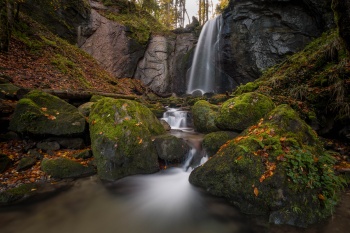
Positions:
{"x": 258, "y": 34}
{"x": 166, "y": 61}
{"x": 108, "y": 43}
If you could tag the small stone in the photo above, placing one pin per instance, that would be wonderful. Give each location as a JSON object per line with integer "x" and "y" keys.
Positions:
{"x": 83, "y": 155}
{"x": 25, "y": 163}
{"x": 4, "y": 162}
{"x": 71, "y": 143}
{"x": 35, "y": 153}
{"x": 46, "y": 146}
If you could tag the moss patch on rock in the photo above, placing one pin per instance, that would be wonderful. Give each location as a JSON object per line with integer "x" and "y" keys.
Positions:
{"x": 8, "y": 90}
{"x": 40, "y": 113}
{"x": 140, "y": 24}
{"x": 204, "y": 115}
{"x": 315, "y": 82}
{"x": 10, "y": 196}
{"x": 65, "y": 168}
{"x": 213, "y": 141}
{"x": 276, "y": 167}
{"x": 243, "y": 111}
{"x": 121, "y": 132}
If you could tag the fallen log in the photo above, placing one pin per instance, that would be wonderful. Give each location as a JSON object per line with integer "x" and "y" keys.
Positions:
{"x": 76, "y": 95}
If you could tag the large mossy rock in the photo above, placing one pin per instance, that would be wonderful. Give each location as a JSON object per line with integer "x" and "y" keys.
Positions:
{"x": 243, "y": 111}
{"x": 276, "y": 167}
{"x": 204, "y": 115}
{"x": 63, "y": 168}
{"x": 121, "y": 132}
{"x": 171, "y": 149}
{"x": 40, "y": 113}
{"x": 213, "y": 141}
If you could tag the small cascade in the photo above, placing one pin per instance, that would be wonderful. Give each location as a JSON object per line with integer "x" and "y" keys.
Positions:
{"x": 194, "y": 159}
{"x": 177, "y": 119}
{"x": 203, "y": 70}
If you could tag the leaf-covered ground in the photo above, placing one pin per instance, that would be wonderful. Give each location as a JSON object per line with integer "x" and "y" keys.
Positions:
{"x": 39, "y": 59}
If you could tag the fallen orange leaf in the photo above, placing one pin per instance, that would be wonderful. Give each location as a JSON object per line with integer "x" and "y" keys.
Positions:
{"x": 256, "y": 191}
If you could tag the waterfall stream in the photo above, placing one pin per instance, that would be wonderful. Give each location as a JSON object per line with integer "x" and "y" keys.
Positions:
{"x": 155, "y": 203}
{"x": 177, "y": 119}
{"x": 202, "y": 74}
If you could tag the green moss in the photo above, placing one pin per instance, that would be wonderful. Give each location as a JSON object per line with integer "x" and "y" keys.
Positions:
{"x": 120, "y": 132}
{"x": 204, "y": 115}
{"x": 12, "y": 195}
{"x": 243, "y": 111}
{"x": 42, "y": 113}
{"x": 65, "y": 168}
{"x": 248, "y": 87}
{"x": 139, "y": 23}
{"x": 8, "y": 90}
{"x": 218, "y": 99}
{"x": 313, "y": 80}
{"x": 213, "y": 141}
{"x": 278, "y": 164}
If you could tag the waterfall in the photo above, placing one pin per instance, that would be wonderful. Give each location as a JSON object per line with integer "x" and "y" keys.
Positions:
{"x": 177, "y": 119}
{"x": 203, "y": 70}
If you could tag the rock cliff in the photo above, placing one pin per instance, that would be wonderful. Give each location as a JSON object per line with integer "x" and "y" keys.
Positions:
{"x": 258, "y": 34}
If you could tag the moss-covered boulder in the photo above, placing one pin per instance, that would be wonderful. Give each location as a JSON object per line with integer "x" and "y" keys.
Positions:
{"x": 5, "y": 162}
{"x": 8, "y": 90}
{"x": 121, "y": 132}
{"x": 243, "y": 111}
{"x": 40, "y": 113}
{"x": 213, "y": 141}
{"x": 204, "y": 115}
{"x": 26, "y": 163}
{"x": 171, "y": 149}
{"x": 65, "y": 168}
{"x": 276, "y": 167}
{"x": 13, "y": 195}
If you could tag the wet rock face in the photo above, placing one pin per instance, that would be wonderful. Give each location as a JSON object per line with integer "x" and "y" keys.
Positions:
{"x": 259, "y": 34}
{"x": 164, "y": 66}
{"x": 108, "y": 43}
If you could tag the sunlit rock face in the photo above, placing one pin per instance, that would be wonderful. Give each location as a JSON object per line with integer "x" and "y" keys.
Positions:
{"x": 258, "y": 34}
{"x": 108, "y": 43}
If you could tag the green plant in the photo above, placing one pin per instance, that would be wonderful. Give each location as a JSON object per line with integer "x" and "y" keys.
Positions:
{"x": 315, "y": 172}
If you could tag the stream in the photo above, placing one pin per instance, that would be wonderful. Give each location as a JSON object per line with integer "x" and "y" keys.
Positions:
{"x": 155, "y": 203}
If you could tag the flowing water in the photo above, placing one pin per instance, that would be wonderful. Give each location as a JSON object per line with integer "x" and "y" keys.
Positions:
{"x": 177, "y": 119}
{"x": 202, "y": 74}
{"x": 164, "y": 202}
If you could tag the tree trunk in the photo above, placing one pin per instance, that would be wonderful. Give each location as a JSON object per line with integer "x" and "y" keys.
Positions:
{"x": 200, "y": 12}
{"x": 342, "y": 17}
{"x": 5, "y": 28}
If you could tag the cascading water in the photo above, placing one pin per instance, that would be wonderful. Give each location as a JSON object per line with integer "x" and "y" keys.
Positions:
{"x": 202, "y": 74}
{"x": 177, "y": 119}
